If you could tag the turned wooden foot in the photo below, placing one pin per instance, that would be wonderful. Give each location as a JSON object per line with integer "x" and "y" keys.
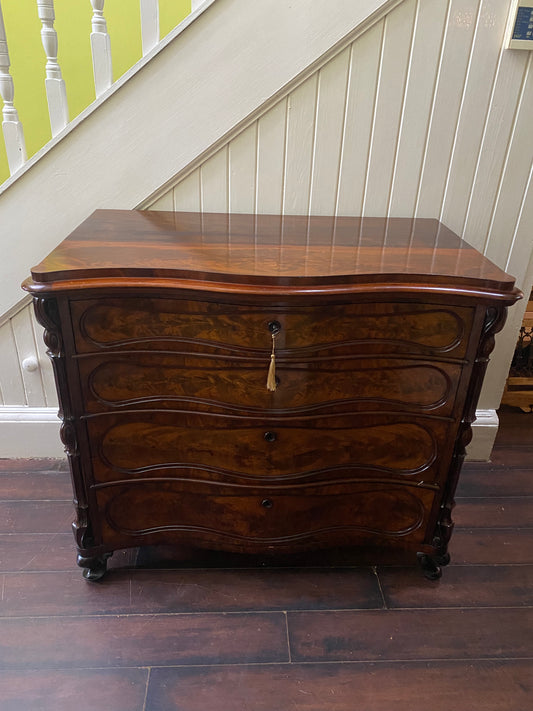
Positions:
{"x": 93, "y": 568}
{"x": 432, "y": 564}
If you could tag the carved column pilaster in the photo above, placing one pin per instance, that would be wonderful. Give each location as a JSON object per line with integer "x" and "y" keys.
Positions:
{"x": 47, "y": 313}
{"x": 494, "y": 321}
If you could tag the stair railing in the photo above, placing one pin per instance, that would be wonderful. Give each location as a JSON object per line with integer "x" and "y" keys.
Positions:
{"x": 54, "y": 82}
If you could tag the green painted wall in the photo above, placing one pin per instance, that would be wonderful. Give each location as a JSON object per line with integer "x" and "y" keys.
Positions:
{"x": 73, "y": 25}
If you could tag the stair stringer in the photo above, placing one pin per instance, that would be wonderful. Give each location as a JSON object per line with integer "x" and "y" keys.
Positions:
{"x": 233, "y": 58}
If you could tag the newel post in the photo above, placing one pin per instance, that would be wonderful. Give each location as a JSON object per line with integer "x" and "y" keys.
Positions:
{"x": 101, "y": 49}
{"x": 55, "y": 86}
{"x": 11, "y": 126}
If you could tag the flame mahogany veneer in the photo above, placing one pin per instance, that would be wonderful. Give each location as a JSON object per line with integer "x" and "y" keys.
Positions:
{"x": 159, "y": 326}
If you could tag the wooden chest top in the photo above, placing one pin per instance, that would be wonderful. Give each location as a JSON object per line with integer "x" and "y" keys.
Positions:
{"x": 267, "y": 254}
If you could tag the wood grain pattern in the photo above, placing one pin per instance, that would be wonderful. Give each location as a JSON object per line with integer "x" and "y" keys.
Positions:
{"x": 174, "y": 433}
{"x": 21, "y": 516}
{"x": 385, "y": 445}
{"x": 490, "y": 573}
{"x": 465, "y": 586}
{"x": 492, "y": 546}
{"x": 240, "y": 385}
{"x": 399, "y": 635}
{"x": 369, "y": 250}
{"x": 21, "y": 485}
{"x": 199, "y": 326}
{"x": 495, "y": 512}
{"x": 85, "y": 690}
{"x": 492, "y": 685}
{"x": 32, "y": 551}
{"x": 134, "y": 640}
{"x": 267, "y": 520}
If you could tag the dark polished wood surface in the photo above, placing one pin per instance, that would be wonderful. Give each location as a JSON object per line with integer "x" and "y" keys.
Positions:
{"x": 268, "y": 250}
{"x": 381, "y": 329}
{"x": 194, "y": 630}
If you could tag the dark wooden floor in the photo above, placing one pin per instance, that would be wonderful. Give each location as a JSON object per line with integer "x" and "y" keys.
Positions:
{"x": 214, "y": 633}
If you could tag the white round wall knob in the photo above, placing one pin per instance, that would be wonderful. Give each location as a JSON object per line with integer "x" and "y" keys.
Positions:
{"x": 30, "y": 364}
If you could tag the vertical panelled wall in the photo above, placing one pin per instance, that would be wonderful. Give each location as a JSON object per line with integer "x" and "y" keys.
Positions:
{"x": 26, "y": 377}
{"x": 425, "y": 114}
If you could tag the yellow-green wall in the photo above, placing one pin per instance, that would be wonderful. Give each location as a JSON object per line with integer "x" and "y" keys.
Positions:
{"x": 73, "y": 25}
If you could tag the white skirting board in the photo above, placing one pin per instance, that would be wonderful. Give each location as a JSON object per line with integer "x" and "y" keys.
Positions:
{"x": 27, "y": 432}
{"x": 30, "y": 432}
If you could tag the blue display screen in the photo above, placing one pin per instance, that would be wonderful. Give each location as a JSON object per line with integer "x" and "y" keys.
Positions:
{"x": 523, "y": 27}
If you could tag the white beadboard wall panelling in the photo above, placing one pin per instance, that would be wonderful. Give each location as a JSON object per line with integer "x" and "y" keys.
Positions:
{"x": 165, "y": 202}
{"x": 499, "y": 127}
{"x": 477, "y": 92}
{"x": 27, "y": 349}
{"x": 45, "y": 365}
{"x": 397, "y": 47}
{"x": 214, "y": 182}
{"x": 11, "y": 380}
{"x": 242, "y": 171}
{"x": 301, "y": 114}
{"x": 431, "y": 21}
{"x": 360, "y": 102}
{"x": 459, "y": 35}
{"x": 328, "y": 133}
{"x": 11, "y": 385}
{"x": 187, "y": 195}
{"x": 514, "y": 177}
{"x": 271, "y": 141}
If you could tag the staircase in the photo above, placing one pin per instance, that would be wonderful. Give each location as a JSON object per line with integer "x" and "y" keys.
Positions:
{"x": 395, "y": 107}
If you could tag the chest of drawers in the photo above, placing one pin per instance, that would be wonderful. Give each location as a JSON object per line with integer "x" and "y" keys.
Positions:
{"x": 266, "y": 385}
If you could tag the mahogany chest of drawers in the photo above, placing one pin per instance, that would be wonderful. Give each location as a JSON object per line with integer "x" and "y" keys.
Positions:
{"x": 266, "y": 384}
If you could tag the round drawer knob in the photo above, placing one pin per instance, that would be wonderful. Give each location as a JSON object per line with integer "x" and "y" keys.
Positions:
{"x": 274, "y": 327}
{"x": 270, "y": 436}
{"x": 267, "y": 503}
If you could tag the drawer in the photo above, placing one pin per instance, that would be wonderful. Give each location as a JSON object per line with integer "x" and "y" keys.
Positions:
{"x": 208, "y": 383}
{"x": 241, "y": 450}
{"x": 148, "y": 511}
{"x": 196, "y": 326}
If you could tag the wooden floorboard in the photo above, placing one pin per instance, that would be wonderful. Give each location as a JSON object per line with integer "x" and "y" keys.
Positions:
{"x": 79, "y": 690}
{"x": 419, "y": 686}
{"x": 338, "y": 630}
{"x": 109, "y": 640}
{"x": 406, "y": 635}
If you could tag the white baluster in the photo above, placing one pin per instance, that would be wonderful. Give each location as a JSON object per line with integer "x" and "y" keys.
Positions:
{"x": 195, "y": 4}
{"x": 149, "y": 24}
{"x": 55, "y": 85}
{"x": 11, "y": 126}
{"x": 101, "y": 49}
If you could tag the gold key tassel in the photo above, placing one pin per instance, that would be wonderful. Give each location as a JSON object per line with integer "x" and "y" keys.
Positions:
{"x": 271, "y": 379}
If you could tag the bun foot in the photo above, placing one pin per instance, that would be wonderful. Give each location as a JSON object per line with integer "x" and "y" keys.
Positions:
{"x": 93, "y": 568}
{"x": 430, "y": 566}
{"x": 442, "y": 560}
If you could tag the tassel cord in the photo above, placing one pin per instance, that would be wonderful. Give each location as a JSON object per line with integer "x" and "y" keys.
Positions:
{"x": 271, "y": 378}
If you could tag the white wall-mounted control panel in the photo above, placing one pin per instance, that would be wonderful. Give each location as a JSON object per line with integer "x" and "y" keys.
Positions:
{"x": 520, "y": 28}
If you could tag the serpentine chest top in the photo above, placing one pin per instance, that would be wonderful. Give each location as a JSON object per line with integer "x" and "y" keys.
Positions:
{"x": 266, "y": 384}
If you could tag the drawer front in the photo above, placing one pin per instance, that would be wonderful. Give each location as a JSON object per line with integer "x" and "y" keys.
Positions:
{"x": 247, "y": 450}
{"x": 195, "y": 326}
{"x": 209, "y": 383}
{"x": 264, "y": 520}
